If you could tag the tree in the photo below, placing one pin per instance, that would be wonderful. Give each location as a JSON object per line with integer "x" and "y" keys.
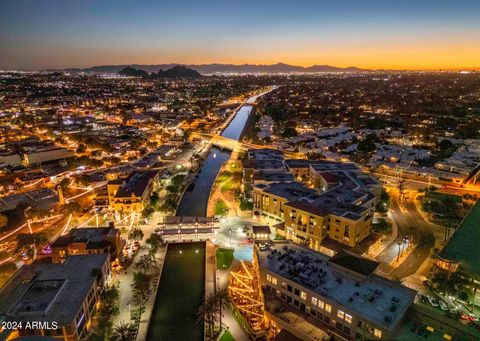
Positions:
{"x": 367, "y": 145}
{"x": 222, "y": 299}
{"x": 121, "y": 331}
{"x": 81, "y": 148}
{"x": 154, "y": 242}
{"x": 147, "y": 212}
{"x": 146, "y": 262}
{"x": 154, "y": 198}
{"x": 71, "y": 208}
{"x": 206, "y": 314}
{"x": 135, "y": 234}
{"x": 3, "y": 220}
{"x": 141, "y": 287}
{"x": 289, "y": 132}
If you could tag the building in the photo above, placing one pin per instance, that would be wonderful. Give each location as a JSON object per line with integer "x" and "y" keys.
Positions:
{"x": 312, "y": 295}
{"x": 130, "y": 194}
{"x": 88, "y": 240}
{"x": 329, "y": 199}
{"x": 46, "y": 154}
{"x": 61, "y": 298}
{"x": 462, "y": 248}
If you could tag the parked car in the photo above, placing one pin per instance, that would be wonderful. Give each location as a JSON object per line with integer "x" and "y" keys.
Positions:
{"x": 433, "y": 302}
{"x": 442, "y": 305}
{"x": 472, "y": 318}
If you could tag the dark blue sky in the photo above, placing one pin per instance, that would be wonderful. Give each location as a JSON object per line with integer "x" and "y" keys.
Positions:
{"x": 422, "y": 34}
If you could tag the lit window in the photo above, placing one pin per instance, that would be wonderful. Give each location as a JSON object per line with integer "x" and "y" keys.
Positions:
{"x": 314, "y": 301}
{"x": 341, "y": 314}
{"x": 303, "y": 295}
{"x": 269, "y": 278}
{"x": 377, "y": 333}
{"x": 447, "y": 337}
{"x": 284, "y": 285}
{"x": 328, "y": 308}
{"x": 321, "y": 304}
{"x": 274, "y": 280}
{"x": 348, "y": 318}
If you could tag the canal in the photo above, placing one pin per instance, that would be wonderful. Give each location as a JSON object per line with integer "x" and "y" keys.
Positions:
{"x": 180, "y": 293}
{"x": 182, "y": 283}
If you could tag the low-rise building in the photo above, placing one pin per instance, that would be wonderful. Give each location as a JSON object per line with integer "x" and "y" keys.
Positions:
{"x": 60, "y": 298}
{"x": 88, "y": 240}
{"x": 340, "y": 296}
{"x": 131, "y": 194}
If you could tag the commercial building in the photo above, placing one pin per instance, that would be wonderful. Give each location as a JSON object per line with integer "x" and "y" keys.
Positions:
{"x": 314, "y": 296}
{"x": 129, "y": 194}
{"x": 60, "y": 298}
{"x": 88, "y": 240}
{"x": 46, "y": 154}
{"x": 329, "y": 199}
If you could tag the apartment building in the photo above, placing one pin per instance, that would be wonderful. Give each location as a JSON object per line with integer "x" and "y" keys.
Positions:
{"x": 333, "y": 199}
{"x": 61, "y": 298}
{"x": 315, "y": 297}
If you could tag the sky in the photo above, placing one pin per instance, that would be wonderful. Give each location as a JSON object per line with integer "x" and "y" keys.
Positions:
{"x": 392, "y": 34}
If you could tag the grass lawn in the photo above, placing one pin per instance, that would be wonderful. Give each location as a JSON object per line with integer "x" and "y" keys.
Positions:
{"x": 224, "y": 258}
{"x": 221, "y": 207}
{"x": 226, "y": 336}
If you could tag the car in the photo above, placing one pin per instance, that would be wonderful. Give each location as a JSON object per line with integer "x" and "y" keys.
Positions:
{"x": 433, "y": 302}
{"x": 472, "y": 318}
{"x": 465, "y": 317}
{"x": 442, "y": 305}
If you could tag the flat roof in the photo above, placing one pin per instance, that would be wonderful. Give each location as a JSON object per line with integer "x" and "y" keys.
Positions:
{"x": 50, "y": 291}
{"x": 377, "y": 299}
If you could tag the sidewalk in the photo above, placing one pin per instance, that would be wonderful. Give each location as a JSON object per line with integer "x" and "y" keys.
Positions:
{"x": 228, "y": 319}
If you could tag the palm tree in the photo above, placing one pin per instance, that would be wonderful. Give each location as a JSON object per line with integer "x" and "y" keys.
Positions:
{"x": 121, "y": 331}
{"x": 146, "y": 262}
{"x": 222, "y": 299}
{"x": 206, "y": 314}
{"x": 154, "y": 242}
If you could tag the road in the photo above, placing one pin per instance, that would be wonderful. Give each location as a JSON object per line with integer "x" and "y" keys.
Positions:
{"x": 421, "y": 234}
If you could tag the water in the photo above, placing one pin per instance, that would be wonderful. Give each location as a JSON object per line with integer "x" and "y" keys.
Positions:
{"x": 194, "y": 203}
{"x": 182, "y": 284}
{"x": 181, "y": 292}
{"x": 235, "y": 129}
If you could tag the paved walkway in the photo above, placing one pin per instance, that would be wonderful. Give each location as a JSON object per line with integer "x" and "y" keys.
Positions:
{"x": 228, "y": 319}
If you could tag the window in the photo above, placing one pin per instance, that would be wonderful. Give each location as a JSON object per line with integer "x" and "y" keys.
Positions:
{"x": 274, "y": 280}
{"x": 377, "y": 333}
{"x": 303, "y": 295}
{"x": 297, "y": 292}
{"x": 296, "y": 302}
{"x": 314, "y": 301}
{"x": 269, "y": 278}
{"x": 289, "y": 288}
{"x": 321, "y": 304}
{"x": 328, "y": 308}
{"x": 284, "y": 285}
{"x": 348, "y": 318}
{"x": 313, "y": 312}
{"x": 341, "y": 314}
{"x": 339, "y": 326}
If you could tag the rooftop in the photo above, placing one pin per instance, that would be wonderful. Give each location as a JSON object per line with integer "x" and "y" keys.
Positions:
{"x": 51, "y": 292}
{"x": 347, "y": 279}
{"x": 463, "y": 246}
